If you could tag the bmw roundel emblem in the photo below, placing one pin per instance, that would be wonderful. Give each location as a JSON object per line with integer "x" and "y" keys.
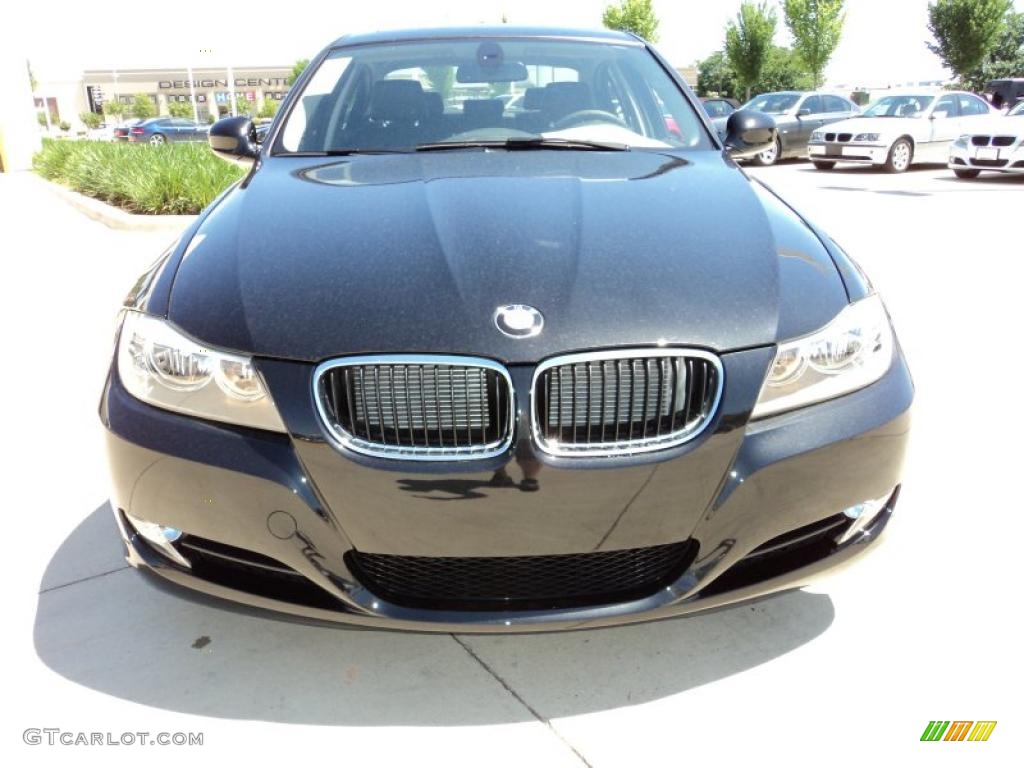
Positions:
{"x": 519, "y": 321}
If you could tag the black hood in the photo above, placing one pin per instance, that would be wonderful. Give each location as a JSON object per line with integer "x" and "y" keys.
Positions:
{"x": 315, "y": 258}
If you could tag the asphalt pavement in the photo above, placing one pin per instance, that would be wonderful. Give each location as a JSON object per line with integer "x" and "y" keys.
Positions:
{"x": 847, "y": 671}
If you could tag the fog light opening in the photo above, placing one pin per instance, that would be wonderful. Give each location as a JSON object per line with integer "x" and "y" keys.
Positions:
{"x": 160, "y": 536}
{"x": 862, "y": 515}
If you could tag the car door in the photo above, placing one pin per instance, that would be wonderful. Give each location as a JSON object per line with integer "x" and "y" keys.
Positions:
{"x": 973, "y": 111}
{"x": 944, "y": 127}
{"x": 809, "y": 115}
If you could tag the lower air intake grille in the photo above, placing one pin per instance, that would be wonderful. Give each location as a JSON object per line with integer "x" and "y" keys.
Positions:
{"x": 417, "y": 407}
{"x": 623, "y": 402}
{"x": 527, "y": 582}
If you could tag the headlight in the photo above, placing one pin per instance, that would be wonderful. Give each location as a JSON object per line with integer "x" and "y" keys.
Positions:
{"x": 818, "y": 136}
{"x": 866, "y": 137}
{"x": 852, "y": 351}
{"x": 961, "y": 141}
{"x": 165, "y": 368}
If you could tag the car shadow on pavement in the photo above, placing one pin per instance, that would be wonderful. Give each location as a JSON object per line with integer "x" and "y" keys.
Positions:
{"x": 870, "y": 170}
{"x": 105, "y": 626}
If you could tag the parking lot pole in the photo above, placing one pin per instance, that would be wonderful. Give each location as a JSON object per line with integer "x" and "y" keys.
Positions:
{"x": 231, "y": 87}
{"x": 192, "y": 91}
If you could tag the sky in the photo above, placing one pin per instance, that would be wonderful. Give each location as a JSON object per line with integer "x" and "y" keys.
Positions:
{"x": 883, "y": 41}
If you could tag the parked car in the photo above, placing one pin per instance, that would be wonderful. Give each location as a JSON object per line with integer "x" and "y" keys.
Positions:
{"x": 163, "y": 130}
{"x": 415, "y": 376}
{"x": 997, "y": 145}
{"x": 102, "y": 132}
{"x": 123, "y": 130}
{"x": 797, "y": 114}
{"x": 719, "y": 106}
{"x": 1006, "y": 93}
{"x": 898, "y": 130}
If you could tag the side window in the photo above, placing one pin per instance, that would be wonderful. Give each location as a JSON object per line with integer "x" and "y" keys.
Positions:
{"x": 835, "y": 104}
{"x": 947, "y": 104}
{"x": 972, "y": 106}
{"x": 812, "y": 104}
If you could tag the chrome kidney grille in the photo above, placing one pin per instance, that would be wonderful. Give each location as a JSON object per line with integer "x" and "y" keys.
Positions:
{"x": 417, "y": 407}
{"x": 623, "y": 402}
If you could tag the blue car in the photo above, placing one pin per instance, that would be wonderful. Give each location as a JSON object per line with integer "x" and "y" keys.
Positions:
{"x": 161, "y": 130}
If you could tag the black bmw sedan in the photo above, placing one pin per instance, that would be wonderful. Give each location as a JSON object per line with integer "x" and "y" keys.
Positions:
{"x": 434, "y": 364}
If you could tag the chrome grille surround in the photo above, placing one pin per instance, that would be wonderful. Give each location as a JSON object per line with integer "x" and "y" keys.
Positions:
{"x": 344, "y": 438}
{"x": 625, "y": 447}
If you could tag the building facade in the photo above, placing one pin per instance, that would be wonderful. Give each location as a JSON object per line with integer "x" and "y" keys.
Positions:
{"x": 212, "y": 87}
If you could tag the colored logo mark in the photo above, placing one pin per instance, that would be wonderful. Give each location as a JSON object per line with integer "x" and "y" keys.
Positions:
{"x": 958, "y": 730}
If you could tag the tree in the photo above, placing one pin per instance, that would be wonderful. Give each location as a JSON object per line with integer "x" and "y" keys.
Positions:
{"x": 31, "y": 77}
{"x": 783, "y": 71}
{"x": 748, "y": 40}
{"x": 114, "y": 109}
{"x": 143, "y": 106}
{"x": 1006, "y": 59}
{"x": 636, "y": 16}
{"x": 90, "y": 119}
{"x": 297, "y": 69}
{"x": 716, "y": 77}
{"x": 269, "y": 108}
{"x": 966, "y": 31}
{"x": 179, "y": 109}
{"x": 816, "y": 26}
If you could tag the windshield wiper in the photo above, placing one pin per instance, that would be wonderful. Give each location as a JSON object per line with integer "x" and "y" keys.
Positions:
{"x": 531, "y": 142}
{"x": 345, "y": 151}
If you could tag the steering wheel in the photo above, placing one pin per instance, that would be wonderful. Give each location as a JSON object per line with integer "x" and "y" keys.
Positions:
{"x": 583, "y": 116}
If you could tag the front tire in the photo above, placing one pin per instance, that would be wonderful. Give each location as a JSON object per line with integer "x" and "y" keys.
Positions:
{"x": 770, "y": 156}
{"x": 824, "y": 165}
{"x": 157, "y": 139}
{"x": 901, "y": 155}
{"x": 966, "y": 173}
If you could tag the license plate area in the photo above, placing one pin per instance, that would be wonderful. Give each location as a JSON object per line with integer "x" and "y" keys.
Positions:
{"x": 986, "y": 153}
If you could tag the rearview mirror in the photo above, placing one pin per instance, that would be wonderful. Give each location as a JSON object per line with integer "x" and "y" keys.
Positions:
{"x": 234, "y": 140}
{"x": 748, "y": 133}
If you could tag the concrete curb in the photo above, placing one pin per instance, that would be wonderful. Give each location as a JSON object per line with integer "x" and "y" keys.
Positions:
{"x": 115, "y": 218}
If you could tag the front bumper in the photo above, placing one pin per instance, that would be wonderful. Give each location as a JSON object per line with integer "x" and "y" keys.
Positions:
{"x": 999, "y": 159}
{"x": 848, "y": 152}
{"x": 269, "y": 519}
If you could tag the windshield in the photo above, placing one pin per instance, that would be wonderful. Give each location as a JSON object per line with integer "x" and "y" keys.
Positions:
{"x": 773, "y": 103}
{"x": 397, "y": 97}
{"x": 899, "y": 106}
{"x": 1017, "y": 111}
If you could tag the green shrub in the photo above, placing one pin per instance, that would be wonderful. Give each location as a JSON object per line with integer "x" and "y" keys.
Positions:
{"x": 91, "y": 119}
{"x": 179, "y": 109}
{"x": 65, "y": 126}
{"x": 172, "y": 178}
{"x": 143, "y": 106}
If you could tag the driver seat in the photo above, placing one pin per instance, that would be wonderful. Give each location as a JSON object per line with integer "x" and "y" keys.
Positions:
{"x": 561, "y": 99}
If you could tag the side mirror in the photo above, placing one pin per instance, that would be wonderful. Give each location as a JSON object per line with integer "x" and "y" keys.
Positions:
{"x": 748, "y": 133}
{"x": 804, "y": 112}
{"x": 234, "y": 139}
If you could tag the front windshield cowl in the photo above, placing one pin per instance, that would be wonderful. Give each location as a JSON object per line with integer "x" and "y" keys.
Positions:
{"x": 535, "y": 93}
